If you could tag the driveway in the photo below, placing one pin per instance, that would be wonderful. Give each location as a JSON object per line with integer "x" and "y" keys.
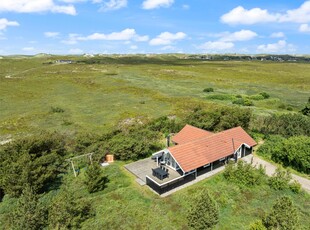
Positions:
{"x": 270, "y": 169}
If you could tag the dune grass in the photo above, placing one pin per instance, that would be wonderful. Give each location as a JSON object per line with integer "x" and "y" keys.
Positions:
{"x": 95, "y": 96}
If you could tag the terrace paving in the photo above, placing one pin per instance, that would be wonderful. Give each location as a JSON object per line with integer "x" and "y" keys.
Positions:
{"x": 143, "y": 168}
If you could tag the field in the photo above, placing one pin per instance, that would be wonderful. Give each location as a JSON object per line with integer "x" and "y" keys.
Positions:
{"x": 93, "y": 94}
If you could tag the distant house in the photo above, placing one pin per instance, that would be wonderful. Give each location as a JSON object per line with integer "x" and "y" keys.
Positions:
{"x": 64, "y": 61}
{"x": 196, "y": 152}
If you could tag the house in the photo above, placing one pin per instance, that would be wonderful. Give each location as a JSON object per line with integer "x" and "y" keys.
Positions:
{"x": 196, "y": 152}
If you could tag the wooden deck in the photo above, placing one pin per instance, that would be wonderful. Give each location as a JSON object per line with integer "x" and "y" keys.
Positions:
{"x": 143, "y": 168}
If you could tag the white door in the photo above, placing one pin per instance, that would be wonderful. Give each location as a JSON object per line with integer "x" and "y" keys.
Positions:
{"x": 239, "y": 153}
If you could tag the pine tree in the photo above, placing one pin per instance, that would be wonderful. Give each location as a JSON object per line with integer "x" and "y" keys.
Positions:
{"x": 29, "y": 213}
{"x": 94, "y": 178}
{"x": 283, "y": 215}
{"x": 67, "y": 211}
{"x": 204, "y": 211}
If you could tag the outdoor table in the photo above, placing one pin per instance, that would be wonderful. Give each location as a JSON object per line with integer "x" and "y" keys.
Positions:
{"x": 160, "y": 173}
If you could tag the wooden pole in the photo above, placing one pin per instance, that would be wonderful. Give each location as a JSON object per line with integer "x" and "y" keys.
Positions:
{"x": 73, "y": 168}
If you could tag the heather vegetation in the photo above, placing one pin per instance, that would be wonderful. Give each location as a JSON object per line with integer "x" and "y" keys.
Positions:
{"x": 126, "y": 107}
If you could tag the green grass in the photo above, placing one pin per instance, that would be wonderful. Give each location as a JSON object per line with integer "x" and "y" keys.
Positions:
{"x": 126, "y": 205}
{"x": 96, "y": 96}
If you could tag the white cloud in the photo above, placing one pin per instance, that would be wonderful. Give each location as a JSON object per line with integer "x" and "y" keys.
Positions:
{"x": 280, "y": 47}
{"x": 240, "y": 15}
{"x": 304, "y": 28}
{"x": 5, "y": 23}
{"x": 277, "y": 35}
{"x": 126, "y": 34}
{"x": 35, "y": 6}
{"x": 166, "y": 38}
{"x": 144, "y": 38}
{"x": 242, "y": 35}
{"x": 113, "y": 5}
{"x": 51, "y": 34}
{"x": 217, "y": 46}
{"x": 153, "y": 4}
{"x": 299, "y": 15}
{"x": 28, "y": 49}
{"x": 76, "y": 51}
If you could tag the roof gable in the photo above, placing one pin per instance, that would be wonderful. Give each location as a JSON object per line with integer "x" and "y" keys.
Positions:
{"x": 190, "y": 133}
{"x": 199, "y": 152}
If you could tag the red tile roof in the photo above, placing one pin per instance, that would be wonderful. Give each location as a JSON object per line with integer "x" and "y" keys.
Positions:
{"x": 205, "y": 150}
{"x": 190, "y": 133}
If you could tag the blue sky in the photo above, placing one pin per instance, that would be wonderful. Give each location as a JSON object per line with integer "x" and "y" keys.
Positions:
{"x": 154, "y": 26}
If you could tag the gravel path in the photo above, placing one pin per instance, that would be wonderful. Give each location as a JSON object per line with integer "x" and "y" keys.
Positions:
{"x": 270, "y": 169}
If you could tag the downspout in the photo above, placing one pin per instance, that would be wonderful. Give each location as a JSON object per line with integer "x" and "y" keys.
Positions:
{"x": 235, "y": 155}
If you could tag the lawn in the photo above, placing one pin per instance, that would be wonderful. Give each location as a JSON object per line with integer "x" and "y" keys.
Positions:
{"x": 96, "y": 96}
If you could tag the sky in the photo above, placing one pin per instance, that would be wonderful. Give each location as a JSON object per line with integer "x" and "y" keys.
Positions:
{"x": 154, "y": 26}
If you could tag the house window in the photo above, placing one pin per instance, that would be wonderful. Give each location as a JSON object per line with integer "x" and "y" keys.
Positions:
{"x": 207, "y": 165}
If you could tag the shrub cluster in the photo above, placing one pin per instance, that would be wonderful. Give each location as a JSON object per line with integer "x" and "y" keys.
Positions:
{"x": 244, "y": 174}
{"x": 280, "y": 179}
{"x": 293, "y": 152}
{"x": 287, "y": 125}
{"x": 34, "y": 160}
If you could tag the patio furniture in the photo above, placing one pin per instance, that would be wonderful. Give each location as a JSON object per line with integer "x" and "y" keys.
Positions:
{"x": 160, "y": 173}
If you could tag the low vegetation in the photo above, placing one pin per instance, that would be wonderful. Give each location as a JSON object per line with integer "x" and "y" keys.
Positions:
{"x": 120, "y": 106}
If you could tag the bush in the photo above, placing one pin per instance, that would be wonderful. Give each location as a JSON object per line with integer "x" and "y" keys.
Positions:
{"x": 221, "y": 97}
{"x": 243, "y": 101}
{"x": 244, "y": 174}
{"x": 292, "y": 152}
{"x": 34, "y": 160}
{"x": 208, "y": 90}
{"x": 222, "y": 118}
{"x": 280, "y": 179}
{"x": 287, "y": 125}
{"x": 203, "y": 212}
{"x": 295, "y": 186}
{"x": 257, "y": 97}
{"x": 265, "y": 95}
{"x": 137, "y": 143}
{"x": 283, "y": 215}
{"x": 29, "y": 213}
{"x": 67, "y": 211}
{"x": 94, "y": 179}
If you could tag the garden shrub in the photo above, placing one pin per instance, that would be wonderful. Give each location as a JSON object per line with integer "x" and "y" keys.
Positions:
{"x": 283, "y": 215}
{"x": 203, "y": 212}
{"x": 244, "y": 174}
{"x": 280, "y": 179}
{"x": 95, "y": 180}
{"x": 295, "y": 186}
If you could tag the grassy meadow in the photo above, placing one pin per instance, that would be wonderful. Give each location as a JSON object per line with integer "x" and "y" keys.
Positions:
{"x": 95, "y": 93}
